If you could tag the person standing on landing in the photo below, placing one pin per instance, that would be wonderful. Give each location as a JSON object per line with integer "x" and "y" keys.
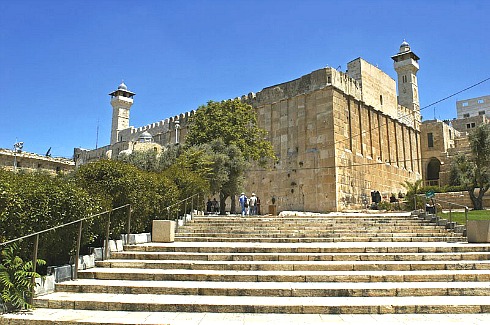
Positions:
{"x": 253, "y": 205}
{"x": 243, "y": 201}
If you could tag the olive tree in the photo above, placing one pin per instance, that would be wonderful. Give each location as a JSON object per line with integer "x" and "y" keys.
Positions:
{"x": 231, "y": 132}
{"x": 473, "y": 170}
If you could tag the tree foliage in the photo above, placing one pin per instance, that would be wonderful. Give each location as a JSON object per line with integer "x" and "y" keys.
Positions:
{"x": 473, "y": 171}
{"x": 16, "y": 279}
{"x": 31, "y": 202}
{"x": 120, "y": 183}
{"x": 235, "y": 123}
{"x": 227, "y": 134}
{"x": 412, "y": 190}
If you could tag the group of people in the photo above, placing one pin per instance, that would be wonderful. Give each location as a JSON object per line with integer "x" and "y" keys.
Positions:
{"x": 250, "y": 206}
{"x": 212, "y": 206}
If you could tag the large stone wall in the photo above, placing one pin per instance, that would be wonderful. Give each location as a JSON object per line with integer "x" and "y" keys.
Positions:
{"x": 371, "y": 156}
{"x": 333, "y": 148}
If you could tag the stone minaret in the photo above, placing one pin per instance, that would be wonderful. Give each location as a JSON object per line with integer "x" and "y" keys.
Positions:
{"x": 406, "y": 66}
{"x": 121, "y": 101}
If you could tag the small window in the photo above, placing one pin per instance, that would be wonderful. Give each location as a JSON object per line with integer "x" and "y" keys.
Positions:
{"x": 381, "y": 100}
{"x": 430, "y": 140}
{"x": 468, "y": 126}
{"x": 465, "y": 104}
{"x": 466, "y": 115}
{"x": 404, "y": 79}
{"x": 481, "y": 101}
{"x": 481, "y": 113}
{"x": 473, "y": 124}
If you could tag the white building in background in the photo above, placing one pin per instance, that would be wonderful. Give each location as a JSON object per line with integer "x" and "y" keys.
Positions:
{"x": 473, "y": 107}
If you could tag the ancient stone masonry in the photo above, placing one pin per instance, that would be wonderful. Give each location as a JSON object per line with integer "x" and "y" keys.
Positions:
{"x": 335, "y": 142}
{"x": 337, "y": 135}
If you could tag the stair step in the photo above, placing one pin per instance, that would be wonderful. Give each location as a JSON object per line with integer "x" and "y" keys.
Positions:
{"x": 326, "y": 240}
{"x": 297, "y": 265}
{"x": 284, "y": 276}
{"x": 266, "y": 304}
{"x": 317, "y": 247}
{"x": 282, "y": 289}
{"x": 137, "y": 255}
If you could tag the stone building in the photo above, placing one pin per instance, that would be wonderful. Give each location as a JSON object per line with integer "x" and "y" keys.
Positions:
{"x": 441, "y": 141}
{"x": 438, "y": 139}
{"x": 21, "y": 160}
{"x": 338, "y": 135}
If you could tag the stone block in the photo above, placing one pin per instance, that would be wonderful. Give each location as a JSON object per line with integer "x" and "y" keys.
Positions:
{"x": 478, "y": 231}
{"x": 62, "y": 273}
{"x": 44, "y": 285}
{"x": 98, "y": 253}
{"x": 163, "y": 231}
{"x": 86, "y": 262}
{"x": 136, "y": 238}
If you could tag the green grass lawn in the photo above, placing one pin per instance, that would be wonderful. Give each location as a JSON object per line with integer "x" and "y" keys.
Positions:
{"x": 472, "y": 215}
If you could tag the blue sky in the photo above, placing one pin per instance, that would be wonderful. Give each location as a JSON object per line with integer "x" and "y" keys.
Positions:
{"x": 60, "y": 59}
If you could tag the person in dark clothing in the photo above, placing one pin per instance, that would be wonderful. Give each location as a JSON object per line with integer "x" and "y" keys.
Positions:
{"x": 215, "y": 205}
{"x": 209, "y": 206}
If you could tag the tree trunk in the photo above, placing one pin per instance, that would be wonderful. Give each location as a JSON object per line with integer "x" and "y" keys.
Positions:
{"x": 233, "y": 204}
{"x": 476, "y": 200}
{"x": 222, "y": 203}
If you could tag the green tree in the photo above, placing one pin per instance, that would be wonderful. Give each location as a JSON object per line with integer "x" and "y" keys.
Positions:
{"x": 145, "y": 160}
{"x": 230, "y": 129}
{"x": 473, "y": 171}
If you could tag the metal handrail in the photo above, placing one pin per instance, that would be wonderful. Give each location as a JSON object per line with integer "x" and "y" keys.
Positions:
{"x": 61, "y": 226}
{"x": 79, "y": 238}
{"x": 466, "y": 209}
{"x": 185, "y": 208}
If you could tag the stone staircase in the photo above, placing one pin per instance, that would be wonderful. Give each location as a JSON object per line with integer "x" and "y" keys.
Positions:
{"x": 295, "y": 265}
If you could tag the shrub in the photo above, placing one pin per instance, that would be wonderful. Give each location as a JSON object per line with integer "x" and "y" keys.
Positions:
{"x": 16, "y": 279}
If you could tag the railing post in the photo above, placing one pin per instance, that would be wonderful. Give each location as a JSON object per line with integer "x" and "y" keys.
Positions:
{"x": 34, "y": 265}
{"x": 77, "y": 252}
{"x": 466, "y": 216}
{"x": 450, "y": 212}
{"x": 128, "y": 229}
{"x": 107, "y": 229}
{"x": 192, "y": 207}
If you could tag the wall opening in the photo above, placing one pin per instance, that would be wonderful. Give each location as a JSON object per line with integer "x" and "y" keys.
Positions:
{"x": 433, "y": 169}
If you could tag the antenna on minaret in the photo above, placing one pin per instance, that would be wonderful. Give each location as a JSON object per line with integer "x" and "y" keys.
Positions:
{"x": 97, "y": 135}
{"x": 435, "y": 113}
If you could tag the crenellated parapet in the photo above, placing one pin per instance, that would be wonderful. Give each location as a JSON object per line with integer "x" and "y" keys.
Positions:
{"x": 158, "y": 129}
